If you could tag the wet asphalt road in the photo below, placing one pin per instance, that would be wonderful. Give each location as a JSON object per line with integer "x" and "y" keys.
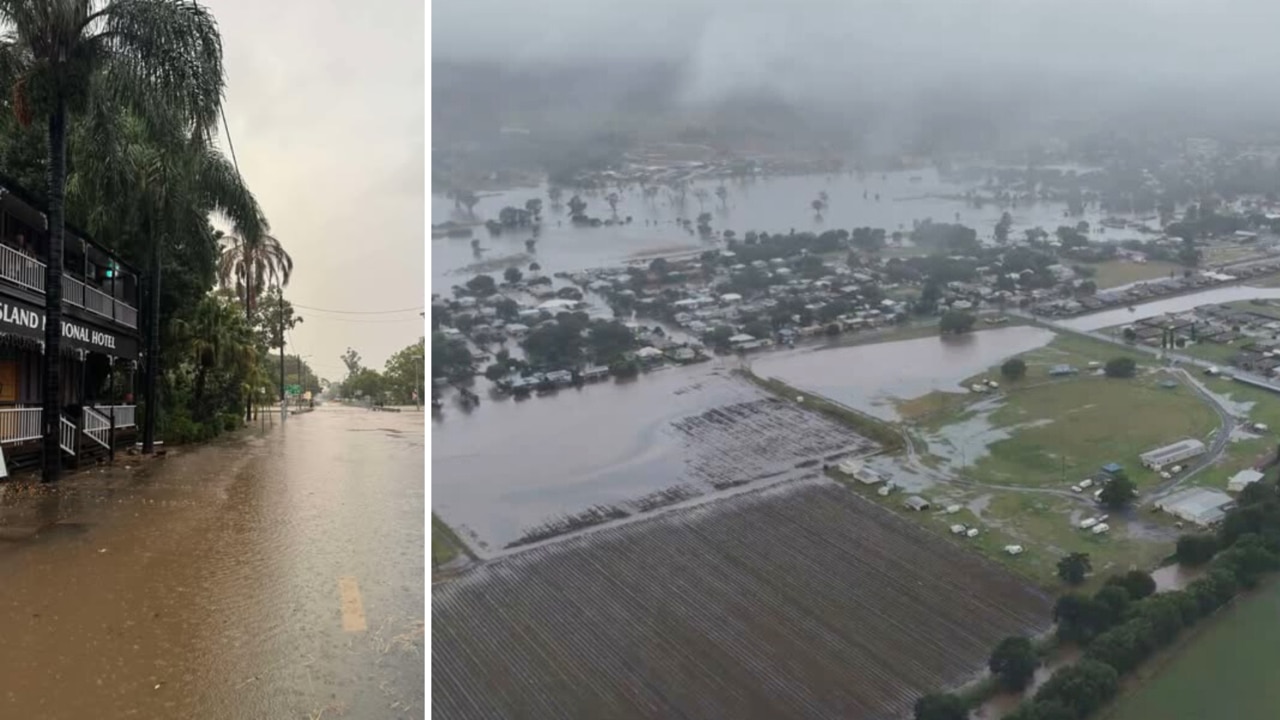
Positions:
{"x": 277, "y": 574}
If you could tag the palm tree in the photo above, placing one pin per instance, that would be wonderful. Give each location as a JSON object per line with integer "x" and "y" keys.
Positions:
{"x": 162, "y": 180}
{"x": 248, "y": 266}
{"x": 56, "y": 56}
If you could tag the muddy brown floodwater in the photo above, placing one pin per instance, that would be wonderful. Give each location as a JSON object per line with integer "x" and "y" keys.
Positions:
{"x": 512, "y": 472}
{"x": 871, "y": 377}
{"x": 277, "y": 574}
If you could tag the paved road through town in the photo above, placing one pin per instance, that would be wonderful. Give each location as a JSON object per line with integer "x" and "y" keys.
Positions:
{"x": 278, "y": 574}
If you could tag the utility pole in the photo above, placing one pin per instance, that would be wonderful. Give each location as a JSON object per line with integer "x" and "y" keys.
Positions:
{"x": 284, "y": 404}
{"x": 418, "y": 381}
{"x": 153, "y": 353}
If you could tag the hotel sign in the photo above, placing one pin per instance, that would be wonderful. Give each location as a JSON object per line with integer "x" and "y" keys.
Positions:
{"x": 28, "y": 321}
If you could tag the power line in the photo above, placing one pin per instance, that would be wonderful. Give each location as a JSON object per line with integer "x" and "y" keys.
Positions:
{"x": 227, "y": 130}
{"x": 358, "y": 312}
{"x": 361, "y": 321}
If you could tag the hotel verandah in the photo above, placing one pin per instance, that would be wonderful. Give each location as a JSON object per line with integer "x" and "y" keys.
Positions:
{"x": 100, "y": 344}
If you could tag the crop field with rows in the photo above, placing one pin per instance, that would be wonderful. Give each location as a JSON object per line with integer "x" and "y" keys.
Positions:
{"x": 801, "y": 600}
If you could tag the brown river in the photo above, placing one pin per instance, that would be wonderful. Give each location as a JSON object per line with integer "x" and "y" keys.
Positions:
{"x": 275, "y": 574}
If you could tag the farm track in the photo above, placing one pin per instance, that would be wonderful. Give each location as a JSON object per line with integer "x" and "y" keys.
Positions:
{"x": 799, "y": 600}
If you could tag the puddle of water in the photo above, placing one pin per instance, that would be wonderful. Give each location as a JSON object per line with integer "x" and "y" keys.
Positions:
{"x": 870, "y": 377}
{"x": 1176, "y": 577}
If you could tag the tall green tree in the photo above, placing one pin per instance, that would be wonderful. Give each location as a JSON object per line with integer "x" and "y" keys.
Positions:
{"x": 218, "y": 339}
{"x": 1074, "y": 567}
{"x": 1014, "y": 663}
{"x": 58, "y": 56}
{"x": 406, "y": 371}
{"x": 162, "y": 181}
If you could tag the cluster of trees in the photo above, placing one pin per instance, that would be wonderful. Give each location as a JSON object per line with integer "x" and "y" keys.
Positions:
{"x": 1120, "y": 367}
{"x": 1126, "y": 621}
{"x": 575, "y": 337}
{"x": 114, "y": 125}
{"x": 1014, "y": 369}
{"x": 956, "y": 322}
{"x": 946, "y": 238}
{"x": 403, "y": 372}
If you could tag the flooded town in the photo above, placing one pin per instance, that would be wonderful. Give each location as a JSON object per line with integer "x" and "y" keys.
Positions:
{"x": 727, "y": 424}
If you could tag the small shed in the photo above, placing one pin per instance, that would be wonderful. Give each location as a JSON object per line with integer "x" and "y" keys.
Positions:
{"x": 1243, "y": 479}
{"x": 917, "y": 503}
{"x": 1112, "y": 469}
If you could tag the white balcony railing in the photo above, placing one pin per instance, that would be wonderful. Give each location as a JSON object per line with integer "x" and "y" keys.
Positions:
{"x": 126, "y": 315}
{"x": 67, "y": 435}
{"x": 28, "y": 272}
{"x": 22, "y": 268}
{"x": 125, "y": 415}
{"x": 72, "y": 291}
{"x": 96, "y": 301}
{"x": 96, "y": 427}
{"x": 19, "y": 424}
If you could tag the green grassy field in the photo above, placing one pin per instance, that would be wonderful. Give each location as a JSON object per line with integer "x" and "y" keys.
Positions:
{"x": 445, "y": 544}
{"x": 1084, "y": 422}
{"x": 1062, "y": 430}
{"x": 1113, "y": 273}
{"x": 1230, "y": 669}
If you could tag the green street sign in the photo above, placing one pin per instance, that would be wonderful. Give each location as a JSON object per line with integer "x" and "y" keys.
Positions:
{"x": 293, "y": 389}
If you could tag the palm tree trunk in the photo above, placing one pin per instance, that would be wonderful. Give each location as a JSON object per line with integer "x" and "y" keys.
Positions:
{"x": 153, "y": 349}
{"x": 51, "y": 465}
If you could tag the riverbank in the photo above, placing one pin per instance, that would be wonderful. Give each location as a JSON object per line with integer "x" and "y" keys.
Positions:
{"x": 886, "y": 434}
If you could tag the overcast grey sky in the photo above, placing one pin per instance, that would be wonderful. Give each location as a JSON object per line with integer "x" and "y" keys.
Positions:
{"x": 881, "y": 49}
{"x": 325, "y": 103}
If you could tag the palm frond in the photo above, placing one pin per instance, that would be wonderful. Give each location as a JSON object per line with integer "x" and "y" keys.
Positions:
{"x": 170, "y": 50}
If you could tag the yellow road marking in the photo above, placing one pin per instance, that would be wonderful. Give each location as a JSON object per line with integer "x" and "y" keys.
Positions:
{"x": 352, "y": 608}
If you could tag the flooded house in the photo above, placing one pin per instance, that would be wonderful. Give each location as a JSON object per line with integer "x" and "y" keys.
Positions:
{"x": 100, "y": 339}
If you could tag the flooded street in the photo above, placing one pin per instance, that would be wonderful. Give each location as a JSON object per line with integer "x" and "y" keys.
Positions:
{"x": 275, "y": 574}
